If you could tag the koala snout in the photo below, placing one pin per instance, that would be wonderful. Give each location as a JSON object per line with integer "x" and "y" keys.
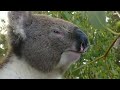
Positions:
{"x": 81, "y": 41}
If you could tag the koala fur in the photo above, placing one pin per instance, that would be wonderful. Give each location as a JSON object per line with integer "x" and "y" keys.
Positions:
{"x": 42, "y": 47}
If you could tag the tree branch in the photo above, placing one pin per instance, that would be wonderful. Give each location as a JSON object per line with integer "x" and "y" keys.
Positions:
{"x": 103, "y": 56}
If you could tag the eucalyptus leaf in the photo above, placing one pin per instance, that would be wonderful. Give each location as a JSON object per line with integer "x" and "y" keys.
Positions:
{"x": 66, "y": 15}
{"x": 97, "y": 19}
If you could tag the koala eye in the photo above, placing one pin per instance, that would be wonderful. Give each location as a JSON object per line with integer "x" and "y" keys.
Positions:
{"x": 56, "y": 31}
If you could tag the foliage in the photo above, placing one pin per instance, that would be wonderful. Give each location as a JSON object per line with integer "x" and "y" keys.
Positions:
{"x": 101, "y": 35}
{"x": 3, "y": 42}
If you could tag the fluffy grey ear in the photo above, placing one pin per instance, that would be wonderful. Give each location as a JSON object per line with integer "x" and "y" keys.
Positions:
{"x": 18, "y": 17}
{"x": 18, "y": 20}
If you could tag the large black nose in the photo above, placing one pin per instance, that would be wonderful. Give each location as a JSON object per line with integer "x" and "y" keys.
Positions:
{"x": 82, "y": 41}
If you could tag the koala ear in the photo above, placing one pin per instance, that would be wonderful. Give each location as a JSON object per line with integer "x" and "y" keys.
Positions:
{"x": 18, "y": 20}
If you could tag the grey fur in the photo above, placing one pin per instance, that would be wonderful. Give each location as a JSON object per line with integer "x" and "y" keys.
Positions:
{"x": 41, "y": 40}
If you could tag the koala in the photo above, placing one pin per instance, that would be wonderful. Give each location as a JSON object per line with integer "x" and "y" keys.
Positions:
{"x": 41, "y": 47}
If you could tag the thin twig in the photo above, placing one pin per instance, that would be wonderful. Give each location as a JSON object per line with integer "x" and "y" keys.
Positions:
{"x": 105, "y": 55}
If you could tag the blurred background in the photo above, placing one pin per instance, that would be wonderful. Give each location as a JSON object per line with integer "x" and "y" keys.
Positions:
{"x": 102, "y": 27}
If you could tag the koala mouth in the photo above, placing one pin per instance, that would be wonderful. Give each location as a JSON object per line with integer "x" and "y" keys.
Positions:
{"x": 74, "y": 54}
{"x": 70, "y": 56}
{"x": 80, "y": 50}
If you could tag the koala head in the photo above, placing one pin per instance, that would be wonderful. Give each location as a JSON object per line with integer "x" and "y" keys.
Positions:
{"x": 46, "y": 43}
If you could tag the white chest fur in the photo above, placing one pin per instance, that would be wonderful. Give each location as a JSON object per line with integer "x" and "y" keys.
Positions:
{"x": 19, "y": 69}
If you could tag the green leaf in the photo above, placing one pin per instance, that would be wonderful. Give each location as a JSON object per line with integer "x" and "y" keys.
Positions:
{"x": 97, "y": 19}
{"x": 66, "y": 15}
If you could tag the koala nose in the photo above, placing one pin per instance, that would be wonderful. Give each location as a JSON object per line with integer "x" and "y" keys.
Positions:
{"x": 82, "y": 41}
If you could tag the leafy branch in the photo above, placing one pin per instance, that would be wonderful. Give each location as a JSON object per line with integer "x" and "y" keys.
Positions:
{"x": 104, "y": 56}
{"x": 100, "y": 23}
{"x": 98, "y": 20}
